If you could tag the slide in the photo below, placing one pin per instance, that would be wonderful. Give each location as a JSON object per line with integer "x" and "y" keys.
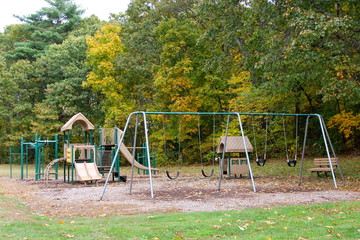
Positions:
{"x": 93, "y": 171}
{"x": 81, "y": 172}
{"x": 124, "y": 150}
{"x": 129, "y": 158}
{"x": 87, "y": 171}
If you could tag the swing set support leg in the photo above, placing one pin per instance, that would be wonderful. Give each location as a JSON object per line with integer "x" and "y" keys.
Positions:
{"x": 246, "y": 152}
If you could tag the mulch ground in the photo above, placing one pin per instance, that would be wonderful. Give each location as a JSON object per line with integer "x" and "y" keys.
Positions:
{"x": 185, "y": 194}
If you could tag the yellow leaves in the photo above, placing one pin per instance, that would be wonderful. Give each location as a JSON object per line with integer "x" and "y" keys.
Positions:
{"x": 102, "y": 51}
{"x": 241, "y": 87}
{"x": 346, "y": 122}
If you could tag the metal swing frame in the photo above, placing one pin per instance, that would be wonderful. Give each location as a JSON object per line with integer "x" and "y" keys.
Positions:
{"x": 325, "y": 136}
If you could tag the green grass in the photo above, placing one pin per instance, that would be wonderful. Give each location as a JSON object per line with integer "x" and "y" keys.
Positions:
{"x": 322, "y": 221}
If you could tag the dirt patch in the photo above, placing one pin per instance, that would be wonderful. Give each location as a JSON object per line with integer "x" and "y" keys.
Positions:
{"x": 186, "y": 194}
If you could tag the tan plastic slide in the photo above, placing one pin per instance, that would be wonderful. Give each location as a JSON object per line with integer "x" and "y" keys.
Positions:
{"x": 129, "y": 158}
{"x": 87, "y": 172}
{"x": 93, "y": 171}
{"x": 124, "y": 150}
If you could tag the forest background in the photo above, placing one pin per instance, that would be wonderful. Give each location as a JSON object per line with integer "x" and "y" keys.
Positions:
{"x": 277, "y": 56}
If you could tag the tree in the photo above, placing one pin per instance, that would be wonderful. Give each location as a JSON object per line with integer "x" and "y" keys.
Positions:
{"x": 64, "y": 70}
{"x": 103, "y": 49}
{"x": 49, "y": 25}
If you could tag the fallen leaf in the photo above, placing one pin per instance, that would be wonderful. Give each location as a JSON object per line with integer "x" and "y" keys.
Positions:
{"x": 329, "y": 226}
{"x": 216, "y": 226}
{"x": 285, "y": 228}
{"x": 61, "y": 222}
{"x": 68, "y": 235}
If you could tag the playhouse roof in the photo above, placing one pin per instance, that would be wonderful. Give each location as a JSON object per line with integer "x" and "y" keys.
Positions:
{"x": 79, "y": 118}
{"x": 234, "y": 144}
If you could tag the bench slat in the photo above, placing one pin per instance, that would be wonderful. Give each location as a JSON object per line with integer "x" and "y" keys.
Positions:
{"x": 319, "y": 169}
{"x": 315, "y": 159}
{"x": 323, "y": 165}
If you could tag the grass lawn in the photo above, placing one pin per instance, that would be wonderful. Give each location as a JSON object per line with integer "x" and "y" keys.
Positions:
{"x": 322, "y": 221}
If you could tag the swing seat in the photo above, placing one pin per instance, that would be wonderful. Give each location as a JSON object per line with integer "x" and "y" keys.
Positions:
{"x": 291, "y": 163}
{"x": 172, "y": 178}
{"x": 261, "y": 162}
{"x": 211, "y": 173}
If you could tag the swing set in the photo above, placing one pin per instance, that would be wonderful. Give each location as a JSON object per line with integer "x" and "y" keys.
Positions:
{"x": 260, "y": 161}
{"x": 201, "y": 157}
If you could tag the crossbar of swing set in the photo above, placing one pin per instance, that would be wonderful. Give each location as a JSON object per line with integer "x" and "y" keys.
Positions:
{"x": 325, "y": 135}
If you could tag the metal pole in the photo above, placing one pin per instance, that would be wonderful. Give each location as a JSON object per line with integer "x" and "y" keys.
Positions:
{"x": 303, "y": 150}
{"x": 115, "y": 156}
{"x": 22, "y": 159}
{"x": 10, "y": 162}
{"x": 133, "y": 152}
{"x": 246, "y": 152}
{"x": 333, "y": 152}
{"x": 148, "y": 154}
{"x": 56, "y": 153}
{"x": 223, "y": 153}
{"x": 327, "y": 150}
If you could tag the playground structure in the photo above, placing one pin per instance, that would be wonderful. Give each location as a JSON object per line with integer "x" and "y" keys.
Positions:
{"x": 90, "y": 160}
{"x": 86, "y": 161}
{"x": 226, "y": 140}
{"x": 39, "y": 156}
{"x": 235, "y": 157}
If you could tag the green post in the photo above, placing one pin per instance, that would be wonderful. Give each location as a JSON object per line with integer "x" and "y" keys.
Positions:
{"x": 22, "y": 159}
{"x": 56, "y": 153}
{"x": 72, "y": 163}
{"x": 27, "y": 160}
{"x": 10, "y": 162}
{"x": 117, "y": 163}
{"x": 91, "y": 140}
{"x": 37, "y": 158}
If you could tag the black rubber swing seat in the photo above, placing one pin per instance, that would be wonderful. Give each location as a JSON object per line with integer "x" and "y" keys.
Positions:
{"x": 211, "y": 173}
{"x": 260, "y": 162}
{"x": 172, "y": 178}
{"x": 291, "y": 163}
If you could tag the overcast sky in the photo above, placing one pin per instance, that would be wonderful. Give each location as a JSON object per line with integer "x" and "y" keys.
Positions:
{"x": 100, "y": 8}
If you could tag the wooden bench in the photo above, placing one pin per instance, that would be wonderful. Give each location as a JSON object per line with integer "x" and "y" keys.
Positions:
{"x": 322, "y": 165}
